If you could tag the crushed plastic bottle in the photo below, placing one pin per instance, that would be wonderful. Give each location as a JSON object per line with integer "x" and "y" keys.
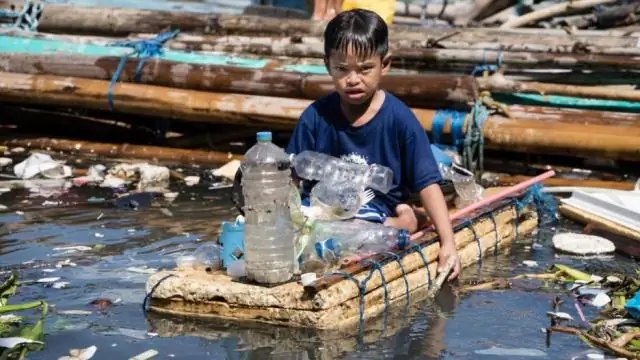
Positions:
{"x": 269, "y": 250}
{"x": 312, "y": 165}
{"x": 333, "y": 240}
{"x": 335, "y": 201}
{"x": 464, "y": 183}
{"x": 208, "y": 257}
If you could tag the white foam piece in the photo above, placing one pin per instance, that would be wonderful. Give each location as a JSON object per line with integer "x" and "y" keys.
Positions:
{"x": 582, "y": 244}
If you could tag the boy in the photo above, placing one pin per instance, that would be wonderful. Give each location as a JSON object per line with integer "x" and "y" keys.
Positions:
{"x": 362, "y": 123}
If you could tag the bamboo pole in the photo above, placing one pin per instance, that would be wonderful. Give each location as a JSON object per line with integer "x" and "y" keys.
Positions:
{"x": 204, "y": 42}
{"x": 552, "y": 11}
{"x": 99, "y": 21}
{"x": 429, "y": 90}
{"x": 499, "y": 83}
{"x": 500, "y": 179}
{"x": 315, "y": 49}
{"x": 159, "y": 153}
{"x": 563, "y": 132}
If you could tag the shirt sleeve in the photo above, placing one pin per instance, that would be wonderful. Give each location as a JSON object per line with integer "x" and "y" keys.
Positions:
{"x": 419, "y": 164}
{"x": 303, "y": 137}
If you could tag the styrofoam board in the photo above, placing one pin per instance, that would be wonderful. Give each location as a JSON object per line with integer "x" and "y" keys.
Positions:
{"x": 606, "y": 209}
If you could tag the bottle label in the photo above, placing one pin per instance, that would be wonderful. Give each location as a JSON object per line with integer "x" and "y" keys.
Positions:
{"x": 327, "y": 249}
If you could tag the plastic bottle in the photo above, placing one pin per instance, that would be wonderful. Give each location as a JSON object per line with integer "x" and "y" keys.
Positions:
{"x": 312, "y": 165}
{"x": 208, "y": 257}
{"x": 332, "y": 240}
{"x": 336, "y": 201}
{"x": 269, "y": 235}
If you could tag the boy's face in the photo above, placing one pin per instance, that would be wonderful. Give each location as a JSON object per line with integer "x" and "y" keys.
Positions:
{"x": 356, "y": 78}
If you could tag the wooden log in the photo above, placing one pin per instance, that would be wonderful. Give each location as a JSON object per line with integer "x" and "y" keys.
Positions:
{"x": 554, "y": 10}
{"x": 499, "y": 83}
{"x": 203, "y": 42}
{"x": 99, "y": 21}
{"x": 429, "y": 90}
{"x": 502, "y": 179}
{"x": 315, "y": 49}
{"x": 524, "y": 132}
{"x": 159, "y": 153}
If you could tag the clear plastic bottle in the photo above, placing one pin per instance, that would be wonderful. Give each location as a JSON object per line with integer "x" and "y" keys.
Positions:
{"x": 208, "y": 257}
{"x": 332, "y": 240}
{"x": 336, "y": 201}
{"x": 268, "y": 231}
{"x": 312, "y": 165}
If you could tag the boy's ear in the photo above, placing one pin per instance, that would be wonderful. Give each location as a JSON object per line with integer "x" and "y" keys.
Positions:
{"x": 386, "y": 63}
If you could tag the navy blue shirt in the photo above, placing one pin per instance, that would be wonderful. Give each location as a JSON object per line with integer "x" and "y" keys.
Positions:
{"x": 393, "y": 137}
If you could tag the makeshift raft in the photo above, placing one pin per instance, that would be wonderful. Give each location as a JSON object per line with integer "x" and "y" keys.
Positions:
{"x": 345, "y": 298}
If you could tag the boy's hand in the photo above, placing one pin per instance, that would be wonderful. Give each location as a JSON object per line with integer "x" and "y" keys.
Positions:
{"x": 446, "y": 250}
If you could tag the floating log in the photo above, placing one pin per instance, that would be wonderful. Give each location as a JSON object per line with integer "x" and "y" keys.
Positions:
{"x": 313, "y": 48}
{"x": 554, "y": 10}
{"x": 499, "y": 83}
{"x": 196, "y": 42}
{"x": 499, "y": 179}
{"x": 197, "y": 294}
{"x": 429, "y": 90}
{"x": 531, "y": 129}
{"x": 159, "y": 153}
{"x": 71, "y": 19}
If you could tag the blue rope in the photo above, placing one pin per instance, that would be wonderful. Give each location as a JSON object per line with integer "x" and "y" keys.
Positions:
{"x": 488, "y": 67}
{"x": 27, "y": 18}
{"x": 473, "y": 152}
{"x": 457, "y": 123}
{"x": 418, "y": 249}
{"x": 142, "y": 49}
{"x": 398, "y": 259}
{"x": 492, "y": 217}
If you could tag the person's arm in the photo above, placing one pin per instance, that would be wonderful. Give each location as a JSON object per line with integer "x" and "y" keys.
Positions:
{"x": 422, "y": 174}
{"x": 303, "y": 137}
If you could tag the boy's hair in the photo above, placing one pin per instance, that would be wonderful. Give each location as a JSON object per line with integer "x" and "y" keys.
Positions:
{"x": 362, "y": 30}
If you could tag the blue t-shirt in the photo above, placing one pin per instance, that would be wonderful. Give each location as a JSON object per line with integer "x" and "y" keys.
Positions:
{"x": 393, "y": 137}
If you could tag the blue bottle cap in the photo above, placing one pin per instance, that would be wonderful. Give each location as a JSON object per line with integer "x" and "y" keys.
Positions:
{"x": 403, "y": 238}
{"x": 264, "y": 136}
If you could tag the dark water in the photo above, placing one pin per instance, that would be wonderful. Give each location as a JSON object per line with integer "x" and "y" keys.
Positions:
{"x": 454, "y": 328}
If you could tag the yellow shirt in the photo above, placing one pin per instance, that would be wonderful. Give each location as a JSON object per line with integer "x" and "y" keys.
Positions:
{"x": 384, "y": 8}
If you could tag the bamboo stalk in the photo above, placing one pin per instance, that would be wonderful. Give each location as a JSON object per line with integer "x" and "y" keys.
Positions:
{"x": 498, "y": 83}
{"x": 99, "y": 21}
{"x": 507, "y": 179}
{"x": 554, "y": 10}
{"x": 159, "y": 153}
{"x": 562, "y": 132}
{"x": 417, "y": 90}
{"x": 314, "y": 49}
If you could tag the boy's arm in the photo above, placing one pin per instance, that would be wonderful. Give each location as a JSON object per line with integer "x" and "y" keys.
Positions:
{"x": 422, "y": 174}
{"x": 434, "y": 203}
{"x": 303, "y": 136}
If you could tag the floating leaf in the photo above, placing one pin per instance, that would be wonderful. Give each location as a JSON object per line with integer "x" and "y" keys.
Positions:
{"x": 11, "y": 342}
{"x": 575, "y": 274}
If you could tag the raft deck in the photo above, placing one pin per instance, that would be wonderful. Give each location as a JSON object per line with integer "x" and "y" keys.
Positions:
{"x": 339, "y": 304}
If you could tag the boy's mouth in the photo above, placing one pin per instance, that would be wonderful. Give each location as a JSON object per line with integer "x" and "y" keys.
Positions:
{"x": 355, "y": 93}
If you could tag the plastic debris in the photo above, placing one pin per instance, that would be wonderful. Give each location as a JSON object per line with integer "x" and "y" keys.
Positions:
{"x": 582, "y": 244}
{"x": 43, "y": 165}
{"x": 530, "y": 263}
{"x": 524, "y": 352}
{"x": 81, "y": 354}
{"x": 228, "y": 170}
{"x": 145, "y": 355}
{"x": 560, "y": 315}
{"x": 11, "y": 342}
{"x": 5, "y": 161}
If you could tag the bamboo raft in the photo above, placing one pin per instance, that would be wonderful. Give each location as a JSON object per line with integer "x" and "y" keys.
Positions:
{"x": 333, "y": 302}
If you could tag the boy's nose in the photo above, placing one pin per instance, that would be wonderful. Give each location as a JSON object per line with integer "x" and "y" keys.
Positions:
{"x": 352, "y": 78}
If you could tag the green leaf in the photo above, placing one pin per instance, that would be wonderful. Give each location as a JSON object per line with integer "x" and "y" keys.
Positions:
{"x": 573, "y": 273}
{"x": 8, "y": 288}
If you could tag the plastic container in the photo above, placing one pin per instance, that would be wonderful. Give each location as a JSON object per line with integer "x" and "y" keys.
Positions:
{"x": 186, "y": 262}
{"x": 332, "y": 240}
{"x": 232, "y": 240}
{"x": 237, "y": 269}
{"x": 312, "y": 165}
{"x": 336, "y": 201}
{"x": 464, "y": 183}
{"x": 208, "y": 257}
{"x": 269, "y": 250}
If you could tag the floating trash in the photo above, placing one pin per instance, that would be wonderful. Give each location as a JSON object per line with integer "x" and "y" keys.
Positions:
{"x": 582, "y": 244}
